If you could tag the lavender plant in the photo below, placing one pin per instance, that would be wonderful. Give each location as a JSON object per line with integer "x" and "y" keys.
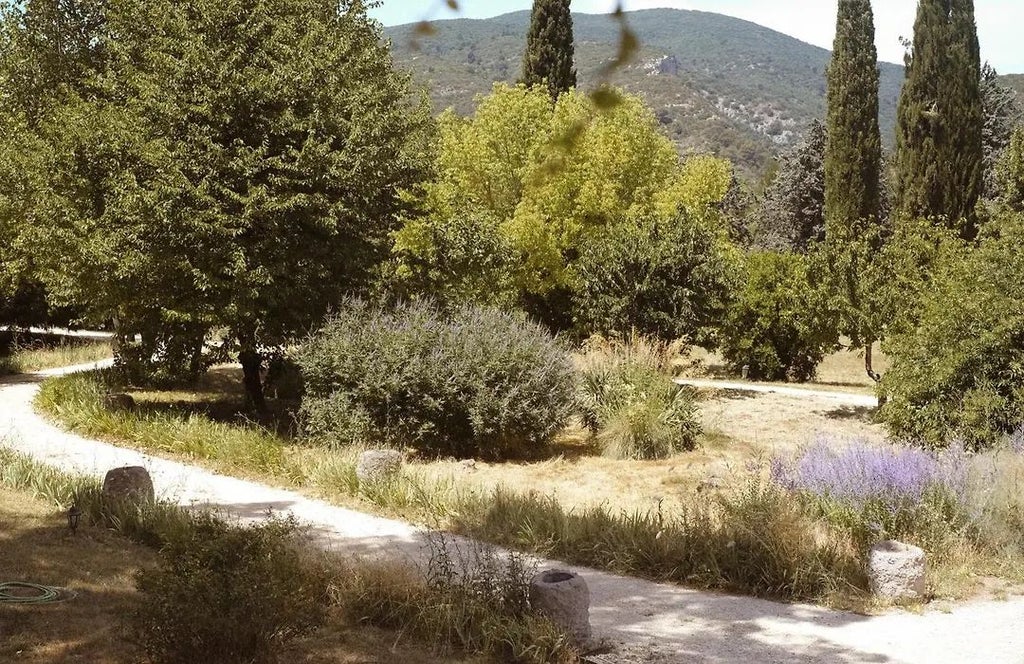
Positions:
{"x": 881, "y": 491}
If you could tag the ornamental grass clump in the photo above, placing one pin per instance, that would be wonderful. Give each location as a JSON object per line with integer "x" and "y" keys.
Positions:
{"x": 630, "y": 402}
{"x": 882, "y": 491}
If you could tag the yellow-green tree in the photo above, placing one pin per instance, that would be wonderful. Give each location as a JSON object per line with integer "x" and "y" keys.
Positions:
{"x": 526, "y": 187}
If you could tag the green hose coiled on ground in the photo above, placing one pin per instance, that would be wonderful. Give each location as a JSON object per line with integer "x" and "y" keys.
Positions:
{"x": 45, "y": 593}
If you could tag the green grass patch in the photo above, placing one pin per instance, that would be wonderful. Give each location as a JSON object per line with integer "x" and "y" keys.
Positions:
{"x": 31, "y": 357}
{"x": 77, "y": 402}
{"x": 755, "y": 542}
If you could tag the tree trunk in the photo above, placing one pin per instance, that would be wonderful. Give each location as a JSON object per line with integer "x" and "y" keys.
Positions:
{"x": 252, "y": 361}
{"x": 868, "y": 366}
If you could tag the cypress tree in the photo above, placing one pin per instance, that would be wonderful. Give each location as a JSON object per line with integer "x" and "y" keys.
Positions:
{"x": 853, "y": 157}
{"x": 549, "y": 47}
{"x": 939, "y": 118}
{"x": 853, "y": 149}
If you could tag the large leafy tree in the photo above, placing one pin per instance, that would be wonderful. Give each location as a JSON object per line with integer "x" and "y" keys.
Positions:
{"x": 853, "y": 156}
{"x": 549, "y": 47}
{"x": 527, "y": 190}
{"x": 939, "y": 118}
{"x": 47, "y": 49}
{"x": 240, "y": 167}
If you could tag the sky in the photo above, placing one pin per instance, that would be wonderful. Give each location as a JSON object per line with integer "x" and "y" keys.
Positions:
{"x": 813, "y": 21}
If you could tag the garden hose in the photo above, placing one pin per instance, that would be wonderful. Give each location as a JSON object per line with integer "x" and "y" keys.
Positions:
{"x": 43, "y": 594}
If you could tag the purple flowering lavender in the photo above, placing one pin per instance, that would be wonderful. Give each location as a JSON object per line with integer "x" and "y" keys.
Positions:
{"x": 860, "y": 473}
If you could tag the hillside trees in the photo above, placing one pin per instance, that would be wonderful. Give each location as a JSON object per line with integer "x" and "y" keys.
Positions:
{"x": 939, "y": 119}
{"x": 238, "y": 168}
{"x": 852, "y": 168}
{"x": 548, "y": 59}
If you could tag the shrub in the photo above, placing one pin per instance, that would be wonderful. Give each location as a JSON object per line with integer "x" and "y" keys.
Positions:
{"x": 226, "y": 594}
{"x": 668, "y": 278}
{"x": 959, "y": 374}
{"x": 478, "y": 383}
{"x": 474, "y": 599}
{"x": 778, "y": 325}
{"x": 629, "y": 401}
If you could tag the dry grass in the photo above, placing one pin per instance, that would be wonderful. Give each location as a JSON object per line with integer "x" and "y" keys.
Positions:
{"x": 841, "y": 371}
{"x": 96, "y": 564}
{"x": 99, "y": 566}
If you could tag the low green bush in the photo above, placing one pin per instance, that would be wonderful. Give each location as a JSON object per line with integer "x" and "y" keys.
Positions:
{"x": 632, "y": 405}
{"x": 479, "y": 382}
{"x": 778, "y": 325}
{"x": 226, "y": 594}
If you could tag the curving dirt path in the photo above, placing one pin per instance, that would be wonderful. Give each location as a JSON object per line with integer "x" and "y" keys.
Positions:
{"x": 646, "y": 622}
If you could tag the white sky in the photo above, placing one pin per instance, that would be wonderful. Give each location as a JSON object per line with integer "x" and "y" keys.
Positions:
{"x": 1000, "y": 22}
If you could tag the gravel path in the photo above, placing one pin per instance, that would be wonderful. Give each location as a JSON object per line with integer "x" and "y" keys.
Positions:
{"x": 839, "y": 398}
{"x": 646, "y": 622}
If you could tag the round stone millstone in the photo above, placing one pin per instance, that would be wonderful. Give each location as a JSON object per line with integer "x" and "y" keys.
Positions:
{"x": 378, "y": 466}
{"x": 897, "y": 571}
{"x": 129, "y": 483}
{"x": 563, "y": 598}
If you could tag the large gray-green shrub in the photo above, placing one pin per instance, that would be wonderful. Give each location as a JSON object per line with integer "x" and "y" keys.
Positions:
{"x": 476, "y": 382}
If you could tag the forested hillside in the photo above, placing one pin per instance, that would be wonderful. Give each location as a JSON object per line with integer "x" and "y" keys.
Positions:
{"x": 715, "y": 82}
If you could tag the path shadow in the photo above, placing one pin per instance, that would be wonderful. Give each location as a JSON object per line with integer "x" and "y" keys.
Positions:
{"x": 96, "y": 565}
{"x": 716, "y": 628}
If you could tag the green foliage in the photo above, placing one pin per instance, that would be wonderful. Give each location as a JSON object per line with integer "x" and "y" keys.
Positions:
{"x": 230, "y": 594}
{"x": 853, "y": 147}
{"x": 792, "y": 212}
{"x": 477, "y": 383}
{"x": 671, "y": 279}
{"x": 1010, "y": 173}
{"x": 629, "y": 401}
{"x": 206, "y": 179}
{"x": 959, "y": 374}
{"x": 529, "y": 193}
{"x": 939, "y": 119}
{"x": 1003, "y": 113}
{"x": 549, "y": 48}
{"x": 779, "y": 325}
{"x": 852, "y": 168}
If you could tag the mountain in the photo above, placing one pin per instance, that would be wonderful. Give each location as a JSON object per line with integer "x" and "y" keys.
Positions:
{"x": 1014, "y": 82}
{"x": 716, "y": 83}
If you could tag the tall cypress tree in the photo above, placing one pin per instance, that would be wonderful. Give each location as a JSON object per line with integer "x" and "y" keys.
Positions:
{"x": 853, "y": 149}
{"x": 853, "y": 156}
{"x": 939, "y": 118}
{"x": 549, "y": 47}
